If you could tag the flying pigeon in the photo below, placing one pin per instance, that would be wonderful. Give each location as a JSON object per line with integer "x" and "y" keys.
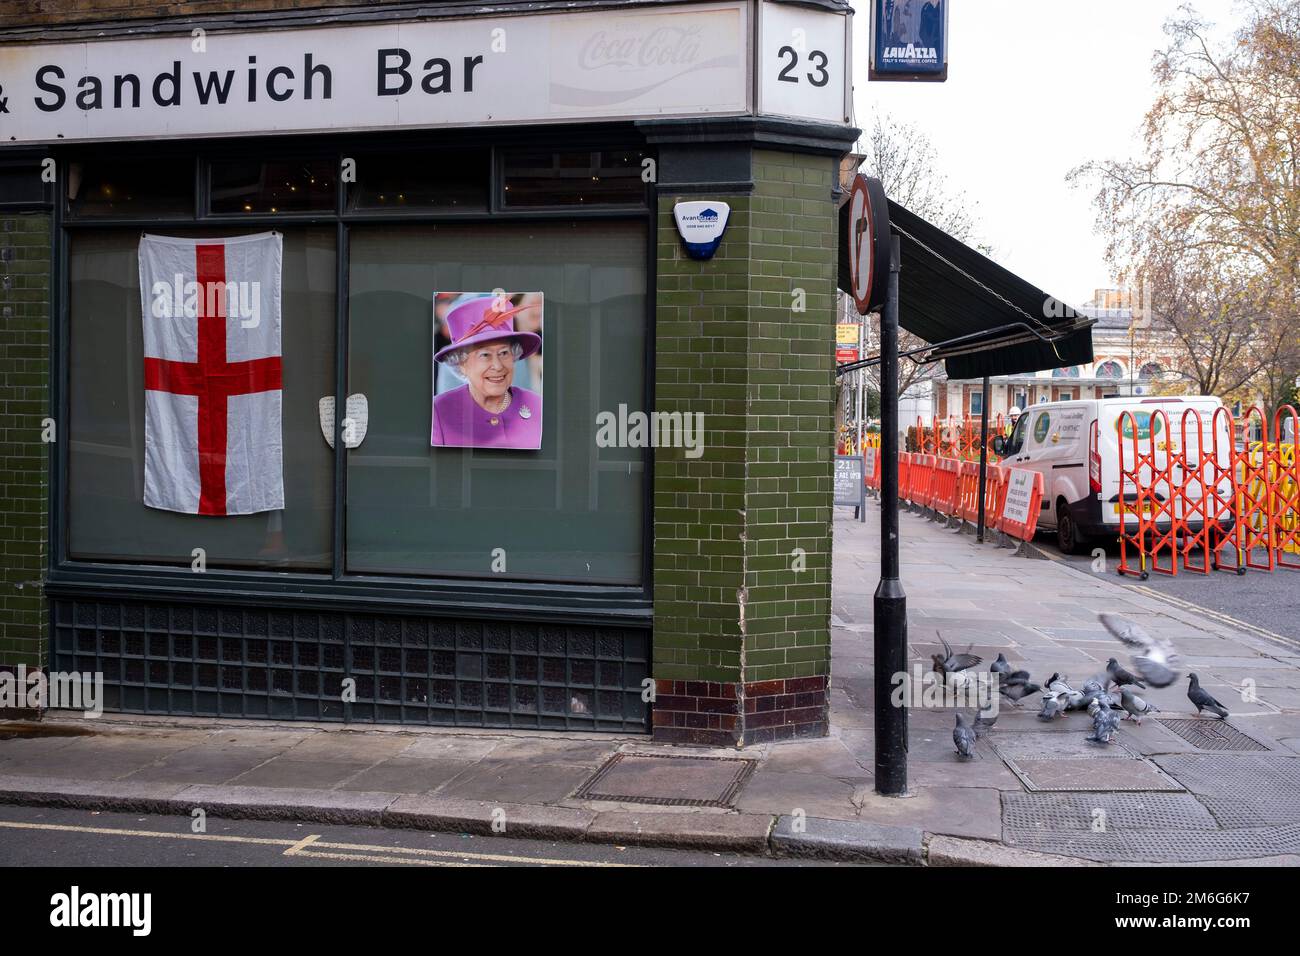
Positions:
{"x": 1001, "y": 667}
{"x": 1202, "y": 699}
{"x": 963, "y": 735}
{"x": 1105, "y": 722}
{"x": 1156, "y": 659}
{"x": 1018, "y": 685}
{"x": 1136, "y": 706}
{"x": 949, "y": 663}
{"x": 1119, "y": 676}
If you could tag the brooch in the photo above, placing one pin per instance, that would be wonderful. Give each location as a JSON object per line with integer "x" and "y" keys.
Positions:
{"x": 525, "y": 412}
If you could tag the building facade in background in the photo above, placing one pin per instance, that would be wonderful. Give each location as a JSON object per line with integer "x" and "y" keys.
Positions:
{"x": 1131, "y": 359}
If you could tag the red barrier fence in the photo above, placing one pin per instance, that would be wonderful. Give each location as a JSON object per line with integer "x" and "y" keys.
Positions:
{"x": 1193, "y": 500}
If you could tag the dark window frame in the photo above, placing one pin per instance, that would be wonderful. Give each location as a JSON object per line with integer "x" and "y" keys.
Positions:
{"x": 486, "y": 598}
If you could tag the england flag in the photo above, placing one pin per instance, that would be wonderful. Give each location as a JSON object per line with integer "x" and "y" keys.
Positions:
{"x": 212, "y": 375}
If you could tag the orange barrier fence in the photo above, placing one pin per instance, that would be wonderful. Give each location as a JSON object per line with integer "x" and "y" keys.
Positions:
{"x": 1022, "y": 501}
{"x": 871, "y": 467}
{"x": 950, "y": 487}
{"x": 943, "y": 486}
{"x": 1190, "y": 499}
{"x": 955, "y": 437}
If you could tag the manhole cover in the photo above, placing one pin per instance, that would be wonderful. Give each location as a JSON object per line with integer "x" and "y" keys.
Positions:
{"x": 1162, "y": 845}
{"x": 1210, "y": 734}
{"x": 671, "y": 781}
{"x": 1110, "y": 811}
{"x": 1091, "y": 774}
{"x": 1048, "y": 745}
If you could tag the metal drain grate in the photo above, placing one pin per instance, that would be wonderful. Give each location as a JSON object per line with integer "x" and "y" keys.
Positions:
{"x": 1163, "y": 846}
{"x": 1211, "y": 734}
{"x": 1091, "y": 774}
{"x": 1054, "y": 745}
{"x": 1066, "y": 812}
{"x": 669, "y": 780}
{"x": 1253, "y": 812}
{"x": 1259, "y": 778}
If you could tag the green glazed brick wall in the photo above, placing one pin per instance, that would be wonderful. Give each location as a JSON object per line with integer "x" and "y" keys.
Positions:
{"x": 728, "y": 606}
{"x": 701, "y": 365}
{"x": 793, "y": 235}
{"x": 24, "y": 390}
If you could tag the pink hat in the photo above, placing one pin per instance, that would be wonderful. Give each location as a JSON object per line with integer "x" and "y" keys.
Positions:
{"x": 478, "y": 320}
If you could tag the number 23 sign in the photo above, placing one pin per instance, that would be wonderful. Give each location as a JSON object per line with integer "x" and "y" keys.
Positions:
{"x": 802, "y": 60}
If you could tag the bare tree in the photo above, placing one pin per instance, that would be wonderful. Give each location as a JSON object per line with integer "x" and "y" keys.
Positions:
{"x": 902, "y": 157}
{"x": 1214, "y": 199}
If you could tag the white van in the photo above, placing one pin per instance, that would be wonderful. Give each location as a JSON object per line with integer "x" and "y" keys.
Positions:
{"x": 1075, "y": 446}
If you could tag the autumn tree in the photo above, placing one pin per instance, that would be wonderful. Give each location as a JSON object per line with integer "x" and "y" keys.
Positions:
{"x": 1209, "y": 214}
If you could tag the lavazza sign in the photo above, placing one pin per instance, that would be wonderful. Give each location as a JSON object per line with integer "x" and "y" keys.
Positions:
{"x": 546, "y": 68}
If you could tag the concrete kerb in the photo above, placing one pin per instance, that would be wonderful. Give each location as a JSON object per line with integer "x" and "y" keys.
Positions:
{"x": 812, "y": 838}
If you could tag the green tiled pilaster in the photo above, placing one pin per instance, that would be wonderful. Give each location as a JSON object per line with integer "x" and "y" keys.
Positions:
{"x": 24, "y": 385}
{"x": 731, "y": 343}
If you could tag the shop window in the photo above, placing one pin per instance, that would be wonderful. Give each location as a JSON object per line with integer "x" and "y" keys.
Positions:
{"x": 568, "y": 510}
{"x": 572, "y": 178}
{"x": 20, "y": 184}
{"x": 132, "y": 188}
{"x": 277, "y": 186}
{"x": 107, "y": 517}
{"x": 433, "y": 179}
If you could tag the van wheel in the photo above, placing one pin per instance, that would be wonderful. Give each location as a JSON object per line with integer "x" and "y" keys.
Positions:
{"x": 1068, "y": 537}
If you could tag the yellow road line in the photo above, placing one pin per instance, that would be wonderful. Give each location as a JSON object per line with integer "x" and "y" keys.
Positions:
{"x": 302, "y": 844}
{"x": 114, "y": 831}
{"x": 391, "y": 859}
{"x": 298, "y": 847}
{"x": 452, "y": 854}
{"x": 1215, "y": 615}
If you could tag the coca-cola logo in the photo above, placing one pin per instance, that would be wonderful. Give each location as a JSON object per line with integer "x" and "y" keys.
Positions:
{"x": 662, "y": 46}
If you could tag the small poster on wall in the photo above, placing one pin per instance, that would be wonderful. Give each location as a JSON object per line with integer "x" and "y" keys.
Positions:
{"x": 487, "y": 370}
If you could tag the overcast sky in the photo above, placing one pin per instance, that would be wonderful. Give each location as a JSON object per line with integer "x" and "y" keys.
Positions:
{"x": 1034, "y": 88}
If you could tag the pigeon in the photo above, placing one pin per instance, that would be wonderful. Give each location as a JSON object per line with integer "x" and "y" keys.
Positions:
{"x": 1119, "y": 677}
{"x": 1051, "y": 707}
{"x": 1136, "y": 706}
{"x": 949, "y": 663}
{"x": 963, "y": 735}
{"x": 1001, "y": 667}
{"x": 984, "y": 723}
{"x": 1018, "y": 685}
{"x": 1094, "y": 689}
{"x": 1202, "y": 699}
{"x": 1105, "y": 722}
{"x": 1067, "y": 696}
{"x": 1156, "y": 659}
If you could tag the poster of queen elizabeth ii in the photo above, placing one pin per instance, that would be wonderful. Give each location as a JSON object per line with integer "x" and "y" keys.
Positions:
{"x": 487, "y": 382}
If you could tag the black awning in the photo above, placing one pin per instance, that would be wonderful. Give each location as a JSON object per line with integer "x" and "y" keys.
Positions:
{"x": 983, "y": 319}
{"x": 979, "y": 318}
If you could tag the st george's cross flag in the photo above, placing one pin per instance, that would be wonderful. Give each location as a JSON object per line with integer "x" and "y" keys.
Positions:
{"x": 212, "y": 377}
